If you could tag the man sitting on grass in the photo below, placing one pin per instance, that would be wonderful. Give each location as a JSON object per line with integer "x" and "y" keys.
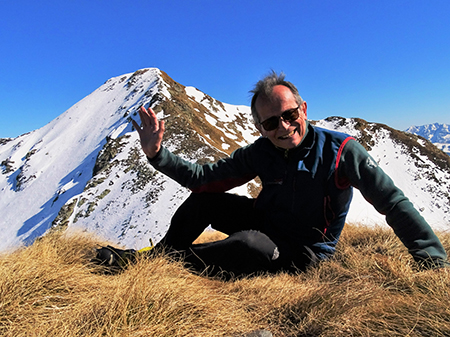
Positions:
{"x": 307, "y": 176}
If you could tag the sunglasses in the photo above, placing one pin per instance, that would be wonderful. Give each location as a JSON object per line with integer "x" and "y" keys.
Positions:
{"x": 288, "y": 116}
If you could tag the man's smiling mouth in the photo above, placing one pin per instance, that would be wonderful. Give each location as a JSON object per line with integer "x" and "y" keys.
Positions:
{"x": 289, "y": 135}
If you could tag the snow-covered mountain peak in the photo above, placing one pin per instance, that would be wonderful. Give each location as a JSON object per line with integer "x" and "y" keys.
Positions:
{"x": 85, "y": 169}
{"x": 438, "y": 134}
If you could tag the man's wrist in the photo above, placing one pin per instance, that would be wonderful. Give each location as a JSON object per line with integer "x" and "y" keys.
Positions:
{"x": 155, "y": 156}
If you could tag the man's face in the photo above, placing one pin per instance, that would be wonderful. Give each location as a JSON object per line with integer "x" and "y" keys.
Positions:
{"x": 286, "y": 135}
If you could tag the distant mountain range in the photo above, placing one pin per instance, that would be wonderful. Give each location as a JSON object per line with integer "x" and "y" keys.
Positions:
{"x": 438, "y": 134}
{"x": 85, "y": 169}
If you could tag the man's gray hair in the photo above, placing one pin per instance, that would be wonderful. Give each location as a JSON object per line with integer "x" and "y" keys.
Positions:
{"x": 264, "y": 88}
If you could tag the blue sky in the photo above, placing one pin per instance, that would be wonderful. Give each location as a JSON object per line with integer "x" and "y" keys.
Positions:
{"x": 383, "y": 61}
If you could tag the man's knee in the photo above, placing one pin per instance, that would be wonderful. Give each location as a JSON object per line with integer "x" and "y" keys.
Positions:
{"x": 255, "y": 243}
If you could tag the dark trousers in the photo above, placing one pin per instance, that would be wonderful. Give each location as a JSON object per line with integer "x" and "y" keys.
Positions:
{"x": 247, "y": 250}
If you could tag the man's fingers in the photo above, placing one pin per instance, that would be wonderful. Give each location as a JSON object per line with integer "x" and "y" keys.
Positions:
{"x": 143, "y": 116}
{"x": 148, "y": 118}
{"x": 136, "y": 125}
{"x": 162, "y": 128}
{"x": 151, "y": 132}
{"x": 152, "y": 118}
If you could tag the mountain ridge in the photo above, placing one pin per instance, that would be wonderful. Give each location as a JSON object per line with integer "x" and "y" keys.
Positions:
{"x": 438, "y": 134}
{"x": 85, "y": 169}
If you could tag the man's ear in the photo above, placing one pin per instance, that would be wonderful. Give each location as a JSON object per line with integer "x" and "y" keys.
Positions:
{"x": 260, "y": 129}
{"x": 304, "y": 107}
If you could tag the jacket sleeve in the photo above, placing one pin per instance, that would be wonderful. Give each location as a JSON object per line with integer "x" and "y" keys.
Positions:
{"x": 224, "y": 175}
{"x": 362, "y": 172}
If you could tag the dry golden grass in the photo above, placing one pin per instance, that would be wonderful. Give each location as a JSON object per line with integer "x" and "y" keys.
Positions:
{"x": 370, "y": 289}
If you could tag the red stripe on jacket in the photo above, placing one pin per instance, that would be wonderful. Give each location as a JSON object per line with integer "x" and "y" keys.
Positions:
{"x": 341, "y": 182}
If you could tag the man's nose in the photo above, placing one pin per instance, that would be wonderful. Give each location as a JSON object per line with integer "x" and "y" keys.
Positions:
{"x": 284, "y": 124}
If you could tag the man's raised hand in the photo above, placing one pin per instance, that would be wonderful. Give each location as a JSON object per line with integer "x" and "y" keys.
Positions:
{"x": 151, "y": 132}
